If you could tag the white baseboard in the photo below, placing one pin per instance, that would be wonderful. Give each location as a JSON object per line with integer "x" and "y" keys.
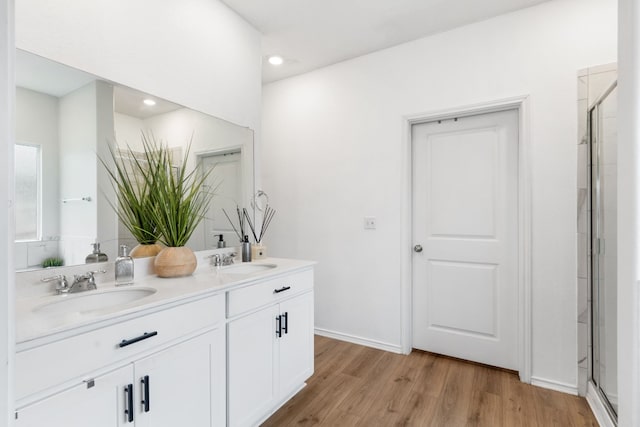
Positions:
{"x": 554, "y": 385}
{"x": 598, "y": 408}
{"x": 359, "y": 340}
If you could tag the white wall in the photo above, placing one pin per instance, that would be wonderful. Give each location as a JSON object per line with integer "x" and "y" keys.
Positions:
{"x": 86, "y": 120}
{"x": 7, "y": 276}
{"x": 629, "y": 215}
{"x": 332, "y": 155}
{"x": 197, "y": 53}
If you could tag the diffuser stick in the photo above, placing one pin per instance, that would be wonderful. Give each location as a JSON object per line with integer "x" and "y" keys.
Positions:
{"x": 234, "y": 227}
{"x": 253, "y": 230}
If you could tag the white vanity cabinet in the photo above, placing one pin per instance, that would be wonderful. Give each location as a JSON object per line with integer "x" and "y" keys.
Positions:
{"x": 97, "y": 405}
{"x": 269, "y": 345}
{"x": 162, "y": 369}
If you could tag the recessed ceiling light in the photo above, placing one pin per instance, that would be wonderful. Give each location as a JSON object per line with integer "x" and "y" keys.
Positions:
{"x": 276, "y": 60}
{"x": 149, "y": 102}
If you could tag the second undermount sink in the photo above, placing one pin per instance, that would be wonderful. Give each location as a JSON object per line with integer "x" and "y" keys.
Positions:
{"x": 247, "y": 268}
{"x": 93, "y": 300}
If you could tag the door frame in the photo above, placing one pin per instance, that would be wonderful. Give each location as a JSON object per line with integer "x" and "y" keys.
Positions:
{"x": 521, "y": 105}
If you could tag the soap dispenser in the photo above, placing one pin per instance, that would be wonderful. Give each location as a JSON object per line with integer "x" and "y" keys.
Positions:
{"x": 124, "y": 268}
{"x": 221, "y": 242}
{"x": 96, "y": 255}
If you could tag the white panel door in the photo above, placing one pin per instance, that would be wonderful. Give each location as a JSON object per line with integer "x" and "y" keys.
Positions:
{"x": 181, "y": 386}
{"x": 296, "y": 344}
{"x": 225, "y": 181}
{"x": 465, "y": 217}
{"x": 250, "y": 366}
{"x": 99, "y": 404}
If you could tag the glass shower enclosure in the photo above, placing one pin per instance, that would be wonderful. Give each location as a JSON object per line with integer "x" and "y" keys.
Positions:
{"x": 603, "y": 148}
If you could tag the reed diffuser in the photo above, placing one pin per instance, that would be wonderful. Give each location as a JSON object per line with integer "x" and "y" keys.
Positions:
{"x": 258, "y": 249}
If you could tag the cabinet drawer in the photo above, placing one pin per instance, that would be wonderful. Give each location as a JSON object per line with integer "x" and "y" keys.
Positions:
{"x": 267, "y": 292}
{"x": 51, "y": 364}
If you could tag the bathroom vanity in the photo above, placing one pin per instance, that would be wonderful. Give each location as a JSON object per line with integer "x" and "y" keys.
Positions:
{"x": 226, "y": 346}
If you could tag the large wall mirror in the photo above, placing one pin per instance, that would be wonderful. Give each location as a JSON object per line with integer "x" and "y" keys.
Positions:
{"x": 65, "y": 119}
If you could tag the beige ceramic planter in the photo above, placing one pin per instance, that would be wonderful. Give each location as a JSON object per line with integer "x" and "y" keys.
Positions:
{"x": 175, "y": 262}
{"x": 145, "y": 251}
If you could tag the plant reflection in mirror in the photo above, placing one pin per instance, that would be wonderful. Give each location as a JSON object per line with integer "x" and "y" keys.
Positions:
{"x": 156, "y": 200}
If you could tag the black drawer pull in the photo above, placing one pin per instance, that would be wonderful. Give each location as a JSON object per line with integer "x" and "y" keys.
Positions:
{"x": 279, "y": 326}
{"x": 146, "y": 399}
{"x": 144, "y": 336}
{"x": 128, "y": 410}
{"x": 282, "y": 289}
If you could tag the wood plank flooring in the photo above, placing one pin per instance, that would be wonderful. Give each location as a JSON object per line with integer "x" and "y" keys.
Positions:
{"x": 360, "y": 386}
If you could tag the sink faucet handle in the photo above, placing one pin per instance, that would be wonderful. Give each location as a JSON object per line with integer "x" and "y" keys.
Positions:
{"x": 91, "y": 273}
{"x": 91, "y": 280}
{"x": 217, "y": 261}
{"x": 62, "y": 286}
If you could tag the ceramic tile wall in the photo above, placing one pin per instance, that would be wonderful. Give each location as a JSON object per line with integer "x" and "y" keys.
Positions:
{"x": 592, "y": 82}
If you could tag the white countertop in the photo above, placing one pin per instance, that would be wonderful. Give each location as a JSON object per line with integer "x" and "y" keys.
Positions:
{"x": 35, "y": 328}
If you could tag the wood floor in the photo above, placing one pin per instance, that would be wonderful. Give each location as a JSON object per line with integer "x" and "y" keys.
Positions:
{"x": 360, "y": 386}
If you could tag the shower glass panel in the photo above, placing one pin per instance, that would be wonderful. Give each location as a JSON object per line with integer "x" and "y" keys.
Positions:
{"x": 604, "y": 139}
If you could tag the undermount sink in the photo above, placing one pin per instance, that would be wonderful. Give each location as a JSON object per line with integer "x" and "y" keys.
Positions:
{"x": 93, "y": 300}
{"x": 246, "y": 268}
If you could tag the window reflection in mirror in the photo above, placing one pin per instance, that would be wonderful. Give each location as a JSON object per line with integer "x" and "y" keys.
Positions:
{"x": 27, "y": 204}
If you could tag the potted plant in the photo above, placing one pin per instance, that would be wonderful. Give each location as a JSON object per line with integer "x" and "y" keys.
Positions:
{"x": 132, "y": 178}
{"x": 181, "y": 201}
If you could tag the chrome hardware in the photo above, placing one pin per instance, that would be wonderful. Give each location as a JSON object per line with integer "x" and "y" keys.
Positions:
{"x": 62, "y": 286}
{"x": 417, "y": 248}
{"x": 218, "y": 260}
{"x": 227, "y": 259}
{"x": 84, "y": 282}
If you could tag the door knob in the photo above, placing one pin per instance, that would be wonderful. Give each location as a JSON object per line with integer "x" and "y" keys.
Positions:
{"x": 417, "y": 248}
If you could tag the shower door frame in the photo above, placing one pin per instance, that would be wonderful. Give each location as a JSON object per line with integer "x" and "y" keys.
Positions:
{"x": 594, "y": 190}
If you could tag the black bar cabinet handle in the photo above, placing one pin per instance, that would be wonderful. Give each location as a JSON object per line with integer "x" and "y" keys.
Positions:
{"x": 144, "y": 336}
{"x": 128, "y": 410}
{"x": 282, "y": 289}
{"x": 279, "y": 326}
{"x": 146, "y": 399}
{"x": 285, "y": 328}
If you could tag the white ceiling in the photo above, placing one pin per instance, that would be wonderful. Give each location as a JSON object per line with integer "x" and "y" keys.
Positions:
{"x": 312, "y": 34}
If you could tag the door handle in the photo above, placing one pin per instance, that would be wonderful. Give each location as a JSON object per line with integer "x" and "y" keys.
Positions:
{"x": 279, "y": 326}
{"x": 285, "y": 328}
{"x": 128, "y": 394}
{"x": 417, "y": 248}
{"x": 146, "y": 399}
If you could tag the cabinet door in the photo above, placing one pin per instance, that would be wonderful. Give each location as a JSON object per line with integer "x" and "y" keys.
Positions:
{"x": 99, "y": 405}
{"x": 250, "y": 366}
{"x": 183, "y": 385}
{"x": 296, "y": 344}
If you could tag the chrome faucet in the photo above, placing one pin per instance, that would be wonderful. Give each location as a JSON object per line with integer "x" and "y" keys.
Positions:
{"x": 84, "y": 282}
{"x": 227, "y": 259}
{"x": 222, "y": 259}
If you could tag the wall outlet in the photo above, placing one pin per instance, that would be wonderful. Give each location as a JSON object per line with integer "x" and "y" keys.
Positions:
{"x": 369, "y": 222}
